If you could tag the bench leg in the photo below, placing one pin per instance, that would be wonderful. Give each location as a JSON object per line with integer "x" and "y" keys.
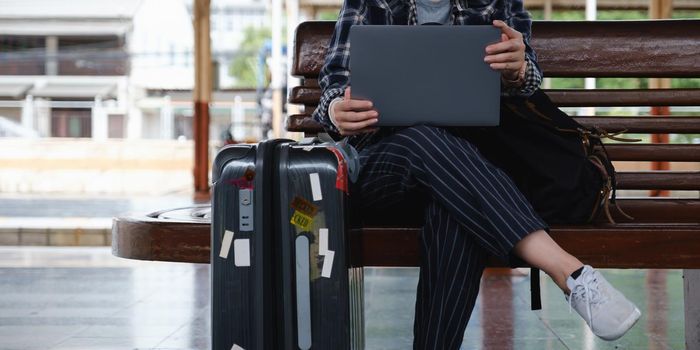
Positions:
{"x": 357, "y": 306}
{"x": 691, "y": 293}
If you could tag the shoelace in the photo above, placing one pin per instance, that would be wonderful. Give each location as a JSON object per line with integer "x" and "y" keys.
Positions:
{"x": 589, "y": 288}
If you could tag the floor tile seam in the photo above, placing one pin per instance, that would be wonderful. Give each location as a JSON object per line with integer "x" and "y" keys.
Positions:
{"x": 68, "y": 337}
{"x": 173, "y": 333}
{"x": 544, "y": 322}
{"x": 655, "y": 339}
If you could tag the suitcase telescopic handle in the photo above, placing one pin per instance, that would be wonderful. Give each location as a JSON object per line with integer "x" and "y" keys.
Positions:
{"x": 303, "y": 286}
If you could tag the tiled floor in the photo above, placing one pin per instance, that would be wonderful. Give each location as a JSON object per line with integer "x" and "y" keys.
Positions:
{"x": 83, "y": 298}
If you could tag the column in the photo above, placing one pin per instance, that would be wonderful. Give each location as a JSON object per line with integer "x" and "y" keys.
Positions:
{"x": 202, "y": 95}
{"x": 51, "y": 65}
{"x": 591, "y": 15}
{"x": 660, "y": 9}
{"x": 166, "y": 119}
{"x": 134, "y": 125}
{"x": 293, "y": 20}
{"x": 238, "y": 126}
{"x": 276, "y": 69}
{"x": 99, "y": 121}
{"x": 28, "y": 112}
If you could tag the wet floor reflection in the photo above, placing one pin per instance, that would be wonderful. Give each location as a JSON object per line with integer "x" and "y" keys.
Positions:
{"x": 72, "y": 298}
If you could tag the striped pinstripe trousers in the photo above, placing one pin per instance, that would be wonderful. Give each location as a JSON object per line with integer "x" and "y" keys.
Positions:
{"x": 472, "y": 209}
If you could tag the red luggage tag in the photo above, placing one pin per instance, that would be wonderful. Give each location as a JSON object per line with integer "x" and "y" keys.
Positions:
{"x": 341, "y": 179}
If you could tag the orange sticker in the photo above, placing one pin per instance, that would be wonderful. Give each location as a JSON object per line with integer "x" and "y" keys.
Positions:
{"x": 304, "y": 206}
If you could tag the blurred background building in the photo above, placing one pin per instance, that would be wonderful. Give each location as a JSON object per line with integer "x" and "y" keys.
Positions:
{"x": 86, "y": 70}
{"x": 79, "y": 78}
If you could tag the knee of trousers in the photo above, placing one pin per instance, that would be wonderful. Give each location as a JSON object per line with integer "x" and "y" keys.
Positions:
{"x": 435, "y": 142}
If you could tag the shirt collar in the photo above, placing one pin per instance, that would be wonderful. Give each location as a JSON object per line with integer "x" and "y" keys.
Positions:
{"x": 457, "y": 15}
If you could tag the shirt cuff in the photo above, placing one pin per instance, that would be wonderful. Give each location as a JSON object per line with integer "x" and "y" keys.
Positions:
{"x": 330, "y": 110}
{"x": 520, "y": 78}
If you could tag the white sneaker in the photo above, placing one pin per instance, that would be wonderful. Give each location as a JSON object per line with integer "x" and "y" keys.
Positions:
{"x": 609, "y": 314}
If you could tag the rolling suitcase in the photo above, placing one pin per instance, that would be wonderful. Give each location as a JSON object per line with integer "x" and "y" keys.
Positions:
{"x": 320, "y": 304}
{"x": 280, "y": 268}
{"x": 243, "y": 315}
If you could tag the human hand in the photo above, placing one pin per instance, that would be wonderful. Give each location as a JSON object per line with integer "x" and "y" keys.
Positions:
{"x": 507, "y": 56}
{"x": 353, "y": 117}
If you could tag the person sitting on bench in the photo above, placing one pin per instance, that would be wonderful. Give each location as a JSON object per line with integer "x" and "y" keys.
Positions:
{"x": 472, "y": 207}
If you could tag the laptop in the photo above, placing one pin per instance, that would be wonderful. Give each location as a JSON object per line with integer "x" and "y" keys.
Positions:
{"x": 433, "y": 75}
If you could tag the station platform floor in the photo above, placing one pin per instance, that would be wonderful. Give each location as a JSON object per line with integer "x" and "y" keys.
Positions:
{"x": 63, "y": 298}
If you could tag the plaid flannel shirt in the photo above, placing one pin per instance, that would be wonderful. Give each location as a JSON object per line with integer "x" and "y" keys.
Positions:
{"x": 335, "y": 74}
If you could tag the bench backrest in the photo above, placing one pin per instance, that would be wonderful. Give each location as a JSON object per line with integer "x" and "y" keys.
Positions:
{"x": 643, "y": 49}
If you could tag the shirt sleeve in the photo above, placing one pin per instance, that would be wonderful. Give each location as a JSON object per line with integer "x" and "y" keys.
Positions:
{"x": 335, "y": 73}
{"x": 517, "y": 18}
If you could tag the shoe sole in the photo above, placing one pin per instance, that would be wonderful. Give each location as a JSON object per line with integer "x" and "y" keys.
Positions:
{"x": 624, "y": 326}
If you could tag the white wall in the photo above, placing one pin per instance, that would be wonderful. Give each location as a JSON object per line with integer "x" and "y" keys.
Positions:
{"x": 162, "y": 27}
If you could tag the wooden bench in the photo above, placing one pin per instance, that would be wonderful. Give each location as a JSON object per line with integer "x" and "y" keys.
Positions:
{"x": 665, "y": 232}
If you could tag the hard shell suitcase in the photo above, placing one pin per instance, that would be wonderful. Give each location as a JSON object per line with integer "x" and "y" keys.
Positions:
{"x": 280, "y": 267}
{"x": 320, "y": 305}
{"x": 243, "y": 315}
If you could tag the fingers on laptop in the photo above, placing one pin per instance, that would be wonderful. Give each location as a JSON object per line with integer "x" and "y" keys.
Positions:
{"x": 504, "y": 57}
{"x": 350, "y": 117}
{"x": 355, "y": 116}
{"x": 356, "y": 105}
{"x": 351, "y": 123}
{"x": 510, "y": 32}
{"x": 505, "y": 47}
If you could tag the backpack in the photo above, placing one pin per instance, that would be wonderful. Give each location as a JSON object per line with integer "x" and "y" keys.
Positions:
{"x": 560, "y": 166}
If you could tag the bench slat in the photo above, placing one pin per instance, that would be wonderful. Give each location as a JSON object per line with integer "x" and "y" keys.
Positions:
{"x": 654, "y": 152}
{"x": 659, "y": 180}
{"x": 309, "y": 96}
{"x": 179, "y": 239}
{"x": 664, "y": 48}
{"x": 618, "y": 246}
{"x": 630, "y": 97}
{"x": 642, "y": 125}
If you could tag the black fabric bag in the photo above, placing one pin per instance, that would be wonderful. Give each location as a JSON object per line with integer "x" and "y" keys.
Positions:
{"x": 561, "y": 166}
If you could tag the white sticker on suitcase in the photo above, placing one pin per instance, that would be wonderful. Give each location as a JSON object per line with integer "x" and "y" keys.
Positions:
{"x": 315, "y": 187}
{"x": 241, "y": 252}
{"x": 236, "y": 347}
{"x": 322, "y": 241}
{"x": 327, "y": 264}
{"x": 226, "y": 244}
{"x": 326, "y": 253}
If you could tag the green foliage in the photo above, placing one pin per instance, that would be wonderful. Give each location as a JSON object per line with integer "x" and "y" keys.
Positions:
{"x": 685, "y": 83}
{"x": 609, "y": 15}
{"x": 685, "y": 138}
{"x": 622, "y": 83}
{"x": 244, "y": 66}
{"x": 568, "y": 83}
{"x": 536, "y": 15}
{"x": 688, "y": 14}
{"x": 327, "y": 15}
{"x": 568, "y": 15}
{"x": 613, "y": 15}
